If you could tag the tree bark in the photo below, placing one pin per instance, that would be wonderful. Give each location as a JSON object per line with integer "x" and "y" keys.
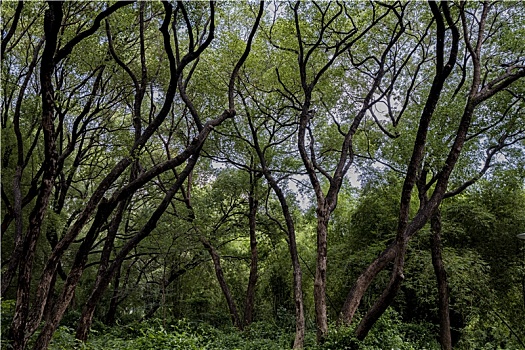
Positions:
{"x": 320, "y": 275}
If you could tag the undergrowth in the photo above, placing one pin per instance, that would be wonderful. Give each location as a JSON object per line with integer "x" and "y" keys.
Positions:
{"x": 188, "y": 335}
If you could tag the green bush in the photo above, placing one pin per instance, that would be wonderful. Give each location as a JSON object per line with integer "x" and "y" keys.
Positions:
{"x": 389, "y": 332}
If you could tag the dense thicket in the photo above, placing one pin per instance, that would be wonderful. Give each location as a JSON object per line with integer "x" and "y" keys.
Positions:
{"x": 349, "y": 169}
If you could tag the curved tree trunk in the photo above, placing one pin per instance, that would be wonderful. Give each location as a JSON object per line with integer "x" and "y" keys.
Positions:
{"x": 388, "y": 295}
{"x": 404, "y": 229}
{"x": 358, "y": 290}
{"x": 16, "y": 210}
{"x": 104, "y": 278}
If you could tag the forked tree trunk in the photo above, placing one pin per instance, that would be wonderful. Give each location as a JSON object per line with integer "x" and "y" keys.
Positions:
{"x": 388, "y": 294}
{"x": 476, "y": 97}
{"x": 358, "y": 290}
{"x": 403, "y": 235}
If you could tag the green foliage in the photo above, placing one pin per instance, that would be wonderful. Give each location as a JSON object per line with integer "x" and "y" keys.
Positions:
{"x": 180, "y": 335}
{"x": 150, "y": 335}
{"x": 7, "y": 308}
{"x": 482, "y": 257}
{"x": 389, "y": 332}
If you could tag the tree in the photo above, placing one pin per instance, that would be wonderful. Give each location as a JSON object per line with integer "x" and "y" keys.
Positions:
{"x": 25, "y": 324}
{"x": 478, "y": 93}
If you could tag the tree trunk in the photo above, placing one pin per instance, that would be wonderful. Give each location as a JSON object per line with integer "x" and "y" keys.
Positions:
{"x": 9, "y": 34}
{"x": 252, "y": 280}
{"x": 50, "y": 57}
{"x": 51, "y": 300}
{"x": 8, "y": 274}
{"x": 93, "y": 202}
{"x": 445, "y": 337}
{"x": 88, "y": 310}
{"x": 320, "y": 276}
{"x": 104, "y": 278}
{"x": 222, "y": 282}
{"x": 388, "y": 295}
{"x": 84, "y": 324}
{"x": 300, "y": 325}
{"x": 426, "y": 211}
{"x": 362, "y": 283}
{"x": 66, "y": 296}
{"x": 53, "y": 20}
{"x": 112, "y": 310}
{"x": 17, "y": 254}
{"x": 405, "y": 230}
{"x": 292, "y": 244}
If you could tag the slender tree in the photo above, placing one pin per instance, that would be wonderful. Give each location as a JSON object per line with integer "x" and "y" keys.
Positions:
{"x": 478, "y": 93}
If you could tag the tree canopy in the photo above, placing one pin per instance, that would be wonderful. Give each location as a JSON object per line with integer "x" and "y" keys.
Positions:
{"x": 344, "y": 171}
